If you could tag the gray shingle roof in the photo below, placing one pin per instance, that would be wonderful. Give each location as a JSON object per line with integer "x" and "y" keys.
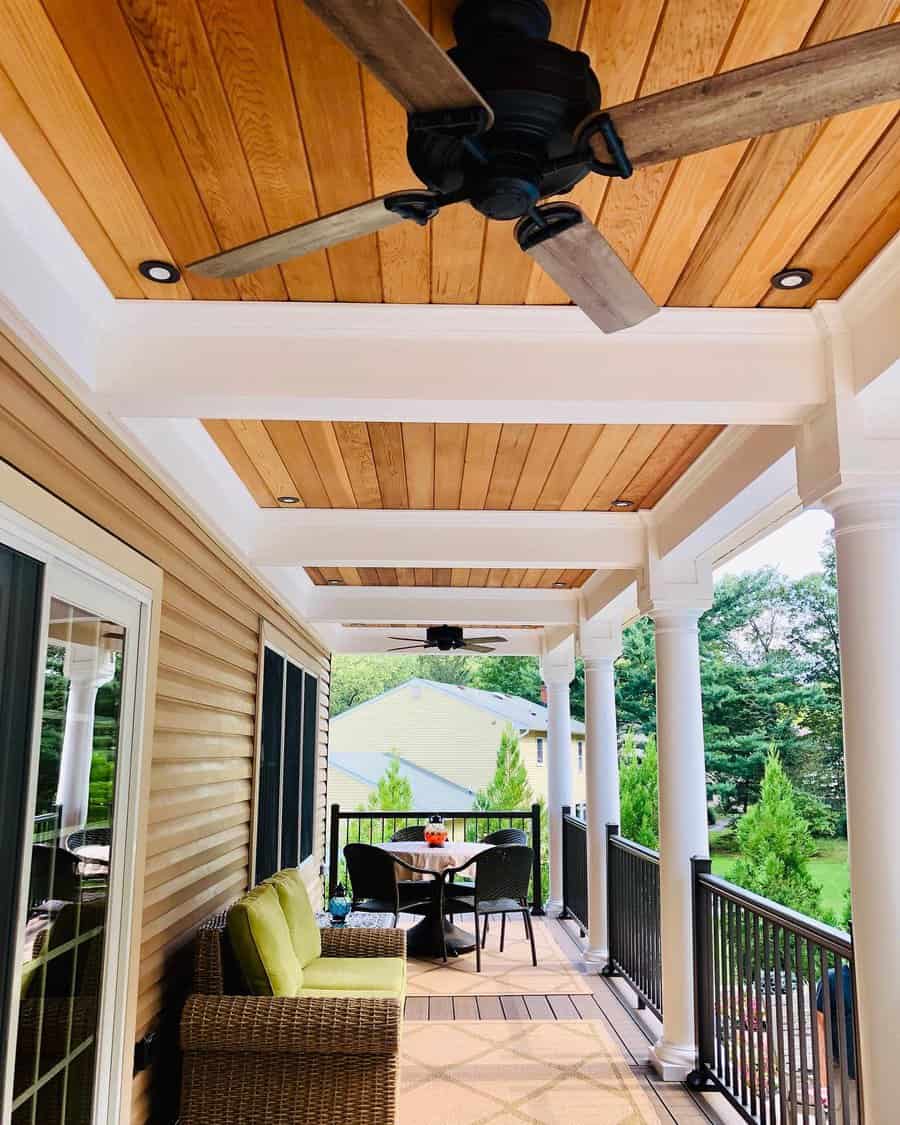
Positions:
{"x": 430, "y": 790}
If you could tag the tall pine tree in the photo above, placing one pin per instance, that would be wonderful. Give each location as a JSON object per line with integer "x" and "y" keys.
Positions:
{"x": 509, "y": 787}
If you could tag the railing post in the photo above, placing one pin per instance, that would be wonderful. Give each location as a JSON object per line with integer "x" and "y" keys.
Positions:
{"x": 334, "y": 841}
{"x": 565, "y": 811}
{"x": 537, "y": 892}
{"x": 609, "y": 969}
{"x": 704, "y": 1016}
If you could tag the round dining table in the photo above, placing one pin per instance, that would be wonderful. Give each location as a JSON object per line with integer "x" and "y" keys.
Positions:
{"x": 424, "y": 939}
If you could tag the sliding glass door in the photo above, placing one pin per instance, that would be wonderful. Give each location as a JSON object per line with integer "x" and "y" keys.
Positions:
{"x": 73, "y": 696}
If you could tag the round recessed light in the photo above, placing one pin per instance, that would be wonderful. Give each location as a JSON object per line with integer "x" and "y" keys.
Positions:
{"x": 623, "y": 503}
{"x": 288, "y": 499}
{"x": 794, "y": 278}
{"x": 335, "y": 582}
{"x": 163, "y": 273}
{"x": 560, "y": 585}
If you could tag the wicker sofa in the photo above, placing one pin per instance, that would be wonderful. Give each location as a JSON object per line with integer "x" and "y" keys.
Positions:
{"x": 305, "y": 1060}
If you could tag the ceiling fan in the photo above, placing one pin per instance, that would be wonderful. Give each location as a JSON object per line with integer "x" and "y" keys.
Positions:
{"x": 448, "y": 638}
{"x": 507, "y": 118}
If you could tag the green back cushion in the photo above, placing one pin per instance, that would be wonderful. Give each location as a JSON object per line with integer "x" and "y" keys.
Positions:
{"x": 301, "y": 921}
{"x": 259, "y": 936}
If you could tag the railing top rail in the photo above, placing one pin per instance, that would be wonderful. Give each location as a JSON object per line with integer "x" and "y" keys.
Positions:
{"x": 626, "y": 845}
{"x": 457, "y": 814}
{"x": 570, "y": 818}
{"x": 836, "y": 941}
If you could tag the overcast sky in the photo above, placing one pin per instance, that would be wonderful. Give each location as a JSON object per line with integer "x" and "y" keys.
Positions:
{"x": 794, "y": 548}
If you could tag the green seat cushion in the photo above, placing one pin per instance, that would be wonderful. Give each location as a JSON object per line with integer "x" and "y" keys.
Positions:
{"x": 261, "y": 941}
{"x": 301, "y": 921}
{"x": 384, "y": 976}
{"x": 350, "y": 993}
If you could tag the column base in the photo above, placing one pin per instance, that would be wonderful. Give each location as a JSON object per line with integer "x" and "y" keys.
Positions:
{"x": 553, "y": 908}
{"x": 673, "y": 1063}
{"x": 596, "y": 955}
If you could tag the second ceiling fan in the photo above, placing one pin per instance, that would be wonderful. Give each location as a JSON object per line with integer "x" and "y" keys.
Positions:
{"x": 507, "y": 118}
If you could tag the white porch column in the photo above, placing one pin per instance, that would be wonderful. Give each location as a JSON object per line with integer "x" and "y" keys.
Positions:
{"x": 88, "y": 669}
{"x": 867, "y": 539}
{"x": 599, "y": 653}
{"x": 557, "y": 672}
{"x": 675, "y": 594}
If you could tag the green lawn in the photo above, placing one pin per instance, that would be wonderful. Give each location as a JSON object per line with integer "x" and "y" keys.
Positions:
{"x": 828, "y": 868}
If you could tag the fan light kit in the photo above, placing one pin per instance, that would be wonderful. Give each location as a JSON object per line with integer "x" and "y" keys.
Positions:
{"x": 448, "y": 638}
{"x": 163, "y": 273}
{"x": 288, "y": 499}
{"x": 507, "y": 118}
{"x": 792, "y": 278}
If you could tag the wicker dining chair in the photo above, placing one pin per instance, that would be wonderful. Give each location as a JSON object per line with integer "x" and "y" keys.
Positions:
{"x": 506, "y": 836}
{"x": 413, "y": 833}
{"x": 376, "y": 888}
{"x": 501, "y": 887}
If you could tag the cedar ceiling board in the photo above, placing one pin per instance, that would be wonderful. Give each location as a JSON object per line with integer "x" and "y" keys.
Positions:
{"x": 406, "y": 575}
{"x": 97, "y": 40}
{"x": 614, "y": 485}
{"x": 424, "y": 576}
{"x": 387, "y": 448}
{"x": 575, "y": 450}
{"x": 544, "y": 449}
{"x": 459, "y": 576}
{"x": 179, "y": 59}
{"x": 870, "y": 192}
{"x": 512, "y": 449}
{"x": 767, "y": 168}
{"x": 322, "y": 442}
{"x": 481, "y": 451}
{"x": 356, "y": 451}
{"x": 247, "y": 44}
{"x": 449, "y": 462}
{"x": 229, "y": 444}
{"x": 38, "y": 66}
{"x": 418, "y": 455}
{"x": 765, "y": 28}
{"x": 607, "y": 448}
{"x": 328, "y": 88}
{"x": 290, "y": 444}
{"x": 43, "y": 165}
{"x": 261, "y": 450}
{"x": 690, "y": 42}
{"x": 404, "y": 250}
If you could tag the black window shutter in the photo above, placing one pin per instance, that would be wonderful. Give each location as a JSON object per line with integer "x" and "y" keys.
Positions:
{"x": 290, "y": 783}
{"x": 308, "y": 788}
{"x": 268, "y": 800}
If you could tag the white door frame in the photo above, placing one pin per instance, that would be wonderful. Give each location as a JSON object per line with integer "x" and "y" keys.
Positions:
{"x": 76, "y": 576}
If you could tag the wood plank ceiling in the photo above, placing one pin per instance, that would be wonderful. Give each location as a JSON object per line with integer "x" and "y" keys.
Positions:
{"x": 457, "y": 466}
{"x": 174, "y": 128}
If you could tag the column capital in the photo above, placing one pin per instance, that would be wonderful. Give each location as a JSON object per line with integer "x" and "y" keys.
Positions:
{"x": 600, "y": 641}
{"x": 558, "y": 662}
{"x": 864, "y": 507}
{"x": 673, "y": 586}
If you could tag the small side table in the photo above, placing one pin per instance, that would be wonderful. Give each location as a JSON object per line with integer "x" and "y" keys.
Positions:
{"x": 357, "y": 920}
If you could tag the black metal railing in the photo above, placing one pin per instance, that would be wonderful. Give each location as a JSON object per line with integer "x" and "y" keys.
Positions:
{"x": 633, "y": 904}
{"x": 574, "y": 867}
{"x": 776, "y": 1008}
{"x": 350, "y": 826}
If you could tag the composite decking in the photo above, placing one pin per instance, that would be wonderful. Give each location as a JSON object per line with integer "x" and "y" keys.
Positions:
{"x": 610, "y": 1002}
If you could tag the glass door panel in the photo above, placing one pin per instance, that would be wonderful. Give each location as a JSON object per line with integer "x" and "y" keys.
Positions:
{"x": 63, "y": 943}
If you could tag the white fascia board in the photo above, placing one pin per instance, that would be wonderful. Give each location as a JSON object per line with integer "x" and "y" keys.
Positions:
{"x": 519, "y": 642}
{"x": 51, "y": 297}
{"x": 431, "y": 363}
{"x": 869, "y": 309}
{"x": 455, "y": 539}
{"x": 609, "y": 594}
{"x": 377, "y": 605}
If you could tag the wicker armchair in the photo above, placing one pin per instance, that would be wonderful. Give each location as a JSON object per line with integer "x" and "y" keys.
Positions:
{"x": 256, "y": 1060}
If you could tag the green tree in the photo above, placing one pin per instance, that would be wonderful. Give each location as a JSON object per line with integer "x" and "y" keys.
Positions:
{"x": 639, "y": 792}
{"x": 775, "y": 846}
{"x": 393, "y": 792}
{"x": 508, "y": 788}
{"x": 521, "y": 676}
{"x": 355, "y": 679}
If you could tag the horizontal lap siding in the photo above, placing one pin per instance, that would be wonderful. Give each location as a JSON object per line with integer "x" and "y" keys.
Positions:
{"x": 199, "y": 825}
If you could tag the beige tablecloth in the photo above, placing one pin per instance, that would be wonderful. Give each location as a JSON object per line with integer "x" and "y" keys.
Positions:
{"x": 426, "y": 858}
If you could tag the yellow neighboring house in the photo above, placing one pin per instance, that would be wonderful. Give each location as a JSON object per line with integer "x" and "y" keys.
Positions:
{"x": 439, "y": 731}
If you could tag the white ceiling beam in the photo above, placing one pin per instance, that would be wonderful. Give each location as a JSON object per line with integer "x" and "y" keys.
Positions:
{"x": 393, "y": 605}
{"x": 316, "y": 537}
{"x": 432, "y": 363}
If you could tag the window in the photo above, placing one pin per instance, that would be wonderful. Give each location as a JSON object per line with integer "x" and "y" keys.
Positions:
{"x": 580, "y": 756}
{"x": 285, "y": 804}
{"x": 540, "y": 751}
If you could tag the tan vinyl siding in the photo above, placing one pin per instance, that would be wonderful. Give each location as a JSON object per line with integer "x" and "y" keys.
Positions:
{"x": 449, "y": 736}
{"x": 198, "y": 834}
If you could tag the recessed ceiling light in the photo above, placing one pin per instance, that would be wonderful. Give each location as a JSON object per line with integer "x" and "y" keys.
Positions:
{"x": 560, "y": 585}
{"x": 623, "y": 503}
{"x": 794, "y": 278}
{"x": 164, "y": 273}
{"x": 335, "y": 582}
{"x": 288, "y": 499}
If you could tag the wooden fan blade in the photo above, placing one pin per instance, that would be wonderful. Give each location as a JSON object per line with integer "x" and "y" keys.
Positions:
{"x": 582, "y": 262}
{"x": 406, "y": 648}
{"x": 412, "y": 640}
{"x": 390, "y": 42}
{"x": 486, "y": 640}
{"x": 477, "y": 648}
{"x": 341, "y": 226}
{"x": 808, "y": 85}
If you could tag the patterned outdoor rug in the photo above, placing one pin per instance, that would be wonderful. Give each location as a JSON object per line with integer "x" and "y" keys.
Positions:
{"x": 501, "y": 1073}
{"x": 509, "y": 973}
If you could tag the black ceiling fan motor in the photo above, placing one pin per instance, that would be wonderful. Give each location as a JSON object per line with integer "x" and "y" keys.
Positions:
{"x": 444, "y": 637}
{"x": 538, "y": 90}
